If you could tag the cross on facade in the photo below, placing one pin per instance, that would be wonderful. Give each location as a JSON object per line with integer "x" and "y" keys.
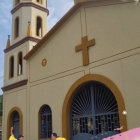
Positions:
{"x": 84, "y": 48}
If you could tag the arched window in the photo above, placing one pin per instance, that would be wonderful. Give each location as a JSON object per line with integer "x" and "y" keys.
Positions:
{"x": 16, "y": 124}
{"x": 39, "y": 26}
{"x": 20, "y": 63}
{"x": 39, "y": 1}
{"x": 16, "y": 27}
{"x": 11, "y": 65}
{"x": 45, "y": 122}
{"x": 17, "y": 2}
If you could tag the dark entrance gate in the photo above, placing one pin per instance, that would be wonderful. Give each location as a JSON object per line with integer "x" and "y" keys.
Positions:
{"x": 15, "y": 123}
{"x": 94, "y": 113}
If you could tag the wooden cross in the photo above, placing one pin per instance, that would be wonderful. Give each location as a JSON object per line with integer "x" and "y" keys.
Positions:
{"x": 84, "y": 48}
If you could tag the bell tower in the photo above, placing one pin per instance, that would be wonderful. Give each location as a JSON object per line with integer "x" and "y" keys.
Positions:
{"x": 25, "y": 12}
{"x": 29, "y": 25}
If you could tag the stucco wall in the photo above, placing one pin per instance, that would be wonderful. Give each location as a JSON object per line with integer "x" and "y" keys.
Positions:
{"x": 116, "y": 55}
{"x": 25, "y": 15}
{"x": 24, "y": 49}
{"x": 117, "y": 48}
{"x": 14, "y": 98}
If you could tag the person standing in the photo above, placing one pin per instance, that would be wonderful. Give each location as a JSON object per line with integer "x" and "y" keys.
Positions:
{"x": 55, "y": 137}
{"x": 12, "y": 137}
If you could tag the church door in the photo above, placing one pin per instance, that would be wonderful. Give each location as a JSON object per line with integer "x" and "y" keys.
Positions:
{"x": 15, "y": 122}
{"x": 94, "y": 113}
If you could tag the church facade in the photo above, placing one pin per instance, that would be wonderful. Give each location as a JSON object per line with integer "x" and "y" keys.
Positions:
{"x": 81, "y": 79}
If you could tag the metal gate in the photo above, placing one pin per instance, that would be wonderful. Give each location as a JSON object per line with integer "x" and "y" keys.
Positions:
{"x": 94, "y": 113}
{"x": 15, "y": 122}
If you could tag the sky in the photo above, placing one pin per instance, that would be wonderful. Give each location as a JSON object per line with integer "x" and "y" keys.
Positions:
{"x": 57, "y": 8}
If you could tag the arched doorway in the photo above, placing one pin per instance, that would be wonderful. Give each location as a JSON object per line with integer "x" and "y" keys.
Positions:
{"x": 71, "y": 96}
{"x": 16, "y": 124}
{"x": 45, "y": 122}
{"x": 94, "y": 112}
{"x": 15, "y": 119}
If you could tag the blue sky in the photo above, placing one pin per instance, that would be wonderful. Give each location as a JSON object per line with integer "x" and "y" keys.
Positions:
{"x": 57, "y": 9}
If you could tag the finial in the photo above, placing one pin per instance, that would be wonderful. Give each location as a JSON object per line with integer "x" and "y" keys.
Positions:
{"x": 8, "y": 42}
{"x": 29, "y": 32}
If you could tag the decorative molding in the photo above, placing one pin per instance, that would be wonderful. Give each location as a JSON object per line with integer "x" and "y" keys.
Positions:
{"x": 69, "y": 97}
{"x": 44, "y": 62}
{"x": 68, "y": 15}
{"x": 21, "y": 42}
{"x": 15, "y": 85}
{"x": 30, "y": 4}
{"x": 84, "y": 48}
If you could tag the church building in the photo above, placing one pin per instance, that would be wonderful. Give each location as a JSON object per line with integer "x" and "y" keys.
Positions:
{"x": 81, "y": 79}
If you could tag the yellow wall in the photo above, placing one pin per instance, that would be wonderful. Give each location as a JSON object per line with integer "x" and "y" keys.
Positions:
{"x": 116, "y": 56}
{"x": 14, "y": 98}
{"x": 23, "y": 48}
{"x": 43, "y": 4}
{"x": 117, "y": 47}
{"x": 59, "y": 52}
{"x": 26, "y": 14}
{"x": 48, "y": 93}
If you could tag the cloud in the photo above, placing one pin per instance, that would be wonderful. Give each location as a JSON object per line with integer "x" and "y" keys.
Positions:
{"x": 5, "y": 15}
{"x": 52, "y": 19}
{"x": 57, "y": 10}
{"x": 5, "y": 29}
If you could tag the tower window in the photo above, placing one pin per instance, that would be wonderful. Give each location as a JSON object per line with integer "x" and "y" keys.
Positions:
{"x": 16, "y": 27}
{"x": 11, "y": 70}
{"x": 39, "y": 1}
{"x": 17, "y": 2}
{"x": 20, "y": 66}
{"x": 39, "y": 27}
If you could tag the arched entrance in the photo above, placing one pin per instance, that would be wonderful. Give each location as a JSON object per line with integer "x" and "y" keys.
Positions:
{"x": 90, "y": 120}
{"x": 16, "y": 124}
{"x": 94, "y": 112}
{"x": 15, "y": 119}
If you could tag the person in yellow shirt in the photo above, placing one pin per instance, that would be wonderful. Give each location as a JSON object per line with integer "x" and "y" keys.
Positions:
{"x": 60, "y": 138}
{"x": 55, "y": 137}
{"x": 12, "y": 136}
